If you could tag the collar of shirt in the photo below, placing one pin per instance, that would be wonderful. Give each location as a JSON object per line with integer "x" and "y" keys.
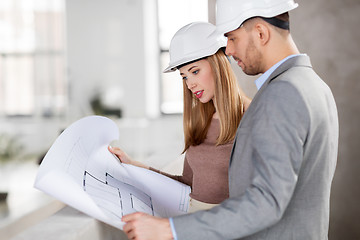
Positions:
{"x": 261, "y": 80}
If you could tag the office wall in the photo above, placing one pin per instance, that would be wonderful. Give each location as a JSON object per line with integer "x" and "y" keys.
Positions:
{"x": 110, "y": 45}
{"x": 112, "y": 49}
{"x": 325, "y": 30}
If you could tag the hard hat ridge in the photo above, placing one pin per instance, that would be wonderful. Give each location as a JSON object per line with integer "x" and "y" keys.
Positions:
{"x": 232, "y": 13}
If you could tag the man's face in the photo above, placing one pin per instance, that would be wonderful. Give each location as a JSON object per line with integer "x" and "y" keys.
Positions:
{"x": 242, "y": 47}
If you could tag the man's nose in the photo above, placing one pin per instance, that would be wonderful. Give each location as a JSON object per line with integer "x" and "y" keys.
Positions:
{"x": 228, "y": 49}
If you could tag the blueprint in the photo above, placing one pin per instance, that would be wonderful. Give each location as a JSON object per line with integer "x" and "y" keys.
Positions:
{"x": 79, "y": 170}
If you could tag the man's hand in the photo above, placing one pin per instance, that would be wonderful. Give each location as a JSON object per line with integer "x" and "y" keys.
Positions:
{"x": 142, "y": 226}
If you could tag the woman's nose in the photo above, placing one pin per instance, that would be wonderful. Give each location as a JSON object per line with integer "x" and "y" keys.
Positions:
{"x": 191, "y": 84}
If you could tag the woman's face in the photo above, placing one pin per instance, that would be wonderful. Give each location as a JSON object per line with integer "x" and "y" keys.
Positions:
{"x": 199, "y": 79}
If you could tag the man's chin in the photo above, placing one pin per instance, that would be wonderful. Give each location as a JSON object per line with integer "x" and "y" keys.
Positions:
{"x": 249, "y": 72}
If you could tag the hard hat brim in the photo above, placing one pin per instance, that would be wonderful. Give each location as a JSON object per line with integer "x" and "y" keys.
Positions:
{"x": 197, "y": 56}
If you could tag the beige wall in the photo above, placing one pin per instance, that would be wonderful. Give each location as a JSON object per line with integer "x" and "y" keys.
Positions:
{"x": 328, "y": 32}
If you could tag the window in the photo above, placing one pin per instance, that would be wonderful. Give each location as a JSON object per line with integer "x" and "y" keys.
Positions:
{"x": 32, "y": 61}
{"x": 173, "y": 14}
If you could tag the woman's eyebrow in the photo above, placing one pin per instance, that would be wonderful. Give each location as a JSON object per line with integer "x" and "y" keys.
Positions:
{"x": 191, "y": 68}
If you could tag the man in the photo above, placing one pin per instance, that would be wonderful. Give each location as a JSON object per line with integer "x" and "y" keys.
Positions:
{"x": 285, "y": 151}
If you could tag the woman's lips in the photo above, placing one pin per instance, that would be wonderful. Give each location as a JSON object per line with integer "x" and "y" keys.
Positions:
{"x": 199, "y": 94}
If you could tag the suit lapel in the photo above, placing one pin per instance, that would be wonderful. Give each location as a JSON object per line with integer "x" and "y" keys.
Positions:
{"x": 301, "y": 60}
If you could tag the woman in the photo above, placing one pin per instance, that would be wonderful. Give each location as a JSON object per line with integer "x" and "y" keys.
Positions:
{"x": 213, "y": 107}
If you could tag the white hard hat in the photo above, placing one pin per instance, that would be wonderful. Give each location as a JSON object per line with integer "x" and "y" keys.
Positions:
{"x": 192, "y": 42}
{"x": 230, "y": 14}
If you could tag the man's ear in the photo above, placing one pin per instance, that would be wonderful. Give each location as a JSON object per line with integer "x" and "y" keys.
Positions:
{"x": 262, "y": 32}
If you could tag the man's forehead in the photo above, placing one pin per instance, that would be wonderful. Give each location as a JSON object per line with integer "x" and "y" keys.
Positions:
{"x": 229, "y": 34}
{"x": 233, "y": 32}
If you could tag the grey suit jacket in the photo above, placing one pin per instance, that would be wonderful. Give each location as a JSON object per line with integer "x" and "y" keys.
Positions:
{"x": 282, "y": 164}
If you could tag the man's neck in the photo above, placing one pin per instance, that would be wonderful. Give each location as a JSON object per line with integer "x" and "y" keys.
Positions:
{"x": 278, "y": 51}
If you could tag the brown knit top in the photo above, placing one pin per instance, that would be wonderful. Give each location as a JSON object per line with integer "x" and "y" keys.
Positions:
{"x": 206, "y": 168}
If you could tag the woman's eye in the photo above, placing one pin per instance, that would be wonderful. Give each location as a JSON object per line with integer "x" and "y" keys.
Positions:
{"x": 195, "y": 72}
{"x": 184, "y": 78}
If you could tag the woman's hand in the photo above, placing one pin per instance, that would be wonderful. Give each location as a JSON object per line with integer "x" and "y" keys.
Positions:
{"x": 124, "y": 158}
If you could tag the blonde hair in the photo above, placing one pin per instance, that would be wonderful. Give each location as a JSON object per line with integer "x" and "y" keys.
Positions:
{"x": 197, "y": 116}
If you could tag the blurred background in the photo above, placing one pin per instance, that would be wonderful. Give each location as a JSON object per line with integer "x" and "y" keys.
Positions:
{"x": 61, "y": 60}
